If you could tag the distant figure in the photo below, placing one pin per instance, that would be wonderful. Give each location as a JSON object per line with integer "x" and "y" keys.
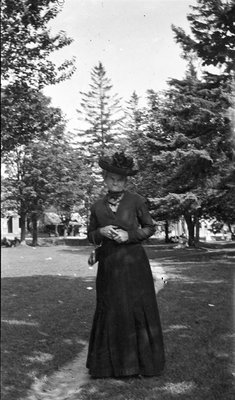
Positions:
{"x": 10, "y": 242}
{"x": 126, "y": 336}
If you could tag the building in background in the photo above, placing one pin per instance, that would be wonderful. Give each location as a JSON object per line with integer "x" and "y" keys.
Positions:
{"x": 10, "y": 225}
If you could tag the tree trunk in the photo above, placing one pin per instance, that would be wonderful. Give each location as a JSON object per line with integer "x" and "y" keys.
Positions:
{"x": 22, "y": 227}
{"x": 190, "y": 226}
{"x": 34, "y": 229}
{"x": 197, "y": 225}
{"x": 56, "y": 230}
{"x": 166, "y": 231}
{"x": 87, "y": 206}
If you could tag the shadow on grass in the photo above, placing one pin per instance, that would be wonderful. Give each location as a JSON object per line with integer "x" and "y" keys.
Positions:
{"x": 189, "y": 254}
{"x": 45, "y": 321}
{"x": 47, "y": 318}
{"x": 197, "y": 319}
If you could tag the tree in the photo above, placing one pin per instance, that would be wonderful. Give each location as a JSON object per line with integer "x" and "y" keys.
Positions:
{"x": 145, "y": 140}
{"x": 134, "y": 125}
{"x": 47, "y": 174}
{"x": 189, "y": 164}
{"x": 27, "y": 43}
{"x": 26, "y": 116}
{"x": 58, "y": 179}
{"x": 133, "y": 130}
{"x": 213, "y": 27}
{"x": 45, "y": 170}
{"x": 134, "y": 115}
{"x": 102, "y": 112}
{"x": 29, "y": 123}
{"x": 156, "y": 140}
{"x": 220, "y": 199}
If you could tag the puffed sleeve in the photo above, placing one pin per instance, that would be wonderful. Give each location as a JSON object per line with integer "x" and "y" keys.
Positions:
{"x": 94, "y": 235}
{"x": 146, "y": 228}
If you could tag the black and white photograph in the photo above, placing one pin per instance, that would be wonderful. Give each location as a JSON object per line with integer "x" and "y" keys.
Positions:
{"x": 117, "y": 199}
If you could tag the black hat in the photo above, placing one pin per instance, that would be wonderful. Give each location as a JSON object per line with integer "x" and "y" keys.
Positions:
{"x": 118, "y": 164}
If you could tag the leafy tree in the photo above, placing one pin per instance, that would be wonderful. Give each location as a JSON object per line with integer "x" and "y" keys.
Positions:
{"x": 45, "y": 174}
{"x": 27, "y": 43}
{"x": 45, "y": 170}
{"x": 65, "y": 179}
{"x": 26, "y": 117}
{"x": 101, "y": 110}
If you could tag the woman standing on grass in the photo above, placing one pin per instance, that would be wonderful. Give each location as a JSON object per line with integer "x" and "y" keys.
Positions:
{"x": 126, "y": 336}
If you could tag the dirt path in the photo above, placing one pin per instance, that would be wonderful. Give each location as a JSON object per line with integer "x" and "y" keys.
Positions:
{"x": 69, "y": 380}
{"x": 63, "y": 384}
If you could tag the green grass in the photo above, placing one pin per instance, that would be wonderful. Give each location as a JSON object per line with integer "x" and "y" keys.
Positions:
{"x": 45, "y": 318}
{"x": 196, "y": 312}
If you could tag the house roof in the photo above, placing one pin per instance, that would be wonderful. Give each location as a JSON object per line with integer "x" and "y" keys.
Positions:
{"x": 51, "y": 218}
{"x": 9, "y": 213}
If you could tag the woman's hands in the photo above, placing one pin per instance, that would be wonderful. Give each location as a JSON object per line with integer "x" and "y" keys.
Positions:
{"x": 121, "y": 236}
{"x": 108, "y": 231}
{"x": 114, "y": 233}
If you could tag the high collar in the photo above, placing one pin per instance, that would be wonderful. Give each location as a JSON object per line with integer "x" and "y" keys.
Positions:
{"x": 115, "y": 195}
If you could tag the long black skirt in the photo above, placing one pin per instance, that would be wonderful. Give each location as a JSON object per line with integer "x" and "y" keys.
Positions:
{"x": 126, "y": 336}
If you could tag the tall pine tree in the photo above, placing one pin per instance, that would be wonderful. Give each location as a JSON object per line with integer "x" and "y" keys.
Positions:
{"x": 102, "y": 113}
{"x": 212, "y": 24}
{"x": 133, "y": 114}
{"x": 199, "y": 143}
{"x": 212, "y": 40}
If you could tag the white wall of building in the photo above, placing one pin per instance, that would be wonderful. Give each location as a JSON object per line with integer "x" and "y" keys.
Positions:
{"x": 10, "y": 227}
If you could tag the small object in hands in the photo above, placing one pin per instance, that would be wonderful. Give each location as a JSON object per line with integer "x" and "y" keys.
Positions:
{"x": 93, "y": 258}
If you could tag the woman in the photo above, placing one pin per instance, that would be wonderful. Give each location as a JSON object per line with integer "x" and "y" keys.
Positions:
{"x": 126, "y": 336}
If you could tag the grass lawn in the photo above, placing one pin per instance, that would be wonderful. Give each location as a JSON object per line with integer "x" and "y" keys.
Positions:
{"x": 47, "y": 310}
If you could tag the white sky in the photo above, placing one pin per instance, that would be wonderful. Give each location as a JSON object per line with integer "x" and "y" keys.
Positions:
{"x": 133, "y": 40}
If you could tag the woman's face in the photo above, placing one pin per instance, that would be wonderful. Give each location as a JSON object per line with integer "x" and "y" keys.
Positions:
{"x": 115, "y": 182}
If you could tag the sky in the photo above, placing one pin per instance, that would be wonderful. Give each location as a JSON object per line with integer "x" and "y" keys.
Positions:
{"x": 133, "y": 40}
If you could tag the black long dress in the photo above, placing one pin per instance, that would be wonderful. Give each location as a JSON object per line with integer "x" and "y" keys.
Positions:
{"x": 126, "y": 336}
